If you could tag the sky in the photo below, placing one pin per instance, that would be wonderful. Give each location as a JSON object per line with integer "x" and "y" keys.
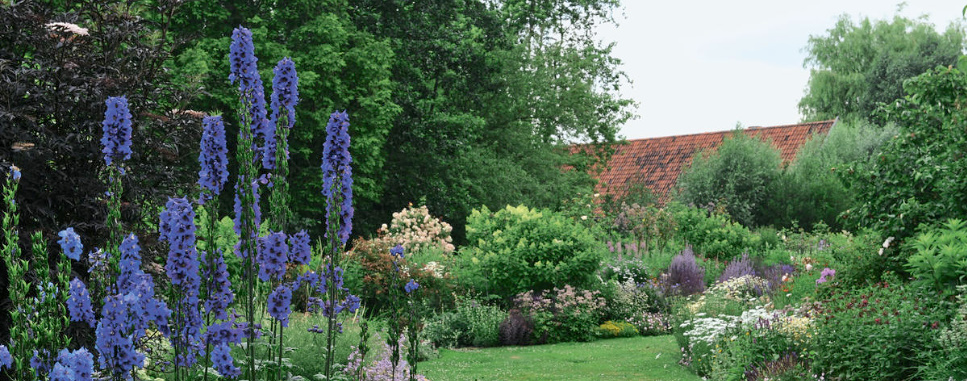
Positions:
{"x": 700, "y": 66}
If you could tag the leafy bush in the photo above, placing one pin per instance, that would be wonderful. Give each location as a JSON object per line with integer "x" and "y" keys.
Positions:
{"x": 518, "y": 249}
{"x": 684, "y": 276}
{"x": 951, "y": 359}
{"x": 940, "y": 259}
{"x": 738, "y": 175}
{"x": 865, "y": 258}
{"x": 566, "y": 314}
{"x": 713, "y": 233}
{"x": 471, "y": 324}
{"x": 628, "y": 298}
{"x": 879, "y": 332}
{"x": 617, "y": 329}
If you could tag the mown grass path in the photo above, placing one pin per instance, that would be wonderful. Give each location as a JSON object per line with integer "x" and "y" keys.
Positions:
{"x": 638, "y": 358}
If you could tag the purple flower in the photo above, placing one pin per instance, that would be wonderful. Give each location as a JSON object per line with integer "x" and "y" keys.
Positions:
{"x": 685, "y": 276}
{"x": 239, "y": 212}
{"x": 279, "y": 302}
{"x": 336, "y": 167}
{"x": 117, "y": 130}
{"x": 411, "y": 286}
{"x": 223, "y": 362}
{"x": 739, "y": 268}
{"x": 273, "y": 253}
{"x": 15, "y": 173}
{"x": 397, "y": 251}
{"x": 6, "y": 361}
{"x": 79, "y": 303}
{"x": 70, "y": 243}
{"x": 243, "y": 67}
{"x": 115, "y": 341}
{"x": 221, "y": 287}
{"x": 80, "y": 363}
{"x": 827, "y": 272}
{"x": 62, "y": 373}
{"x": 177, "y": 226}
{"x": 300, "y": 251}
{"x": 213, "y": 158}
{"x": 285, "y": 92}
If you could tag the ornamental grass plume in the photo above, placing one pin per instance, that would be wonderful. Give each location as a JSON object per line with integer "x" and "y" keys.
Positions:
{"x": 243, "y": 68}
{"x": 336, "y": 166}
{"x": 213, "y": 159}
{"x": 117, "y": 131}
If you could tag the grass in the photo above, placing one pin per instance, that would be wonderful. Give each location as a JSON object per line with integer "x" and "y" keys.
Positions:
{"x": 637, "y": 358}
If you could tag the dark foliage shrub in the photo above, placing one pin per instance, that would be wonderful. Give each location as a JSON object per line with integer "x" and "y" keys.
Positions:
{"x": 516, "y": 329}
{"x": 684, "y": 277}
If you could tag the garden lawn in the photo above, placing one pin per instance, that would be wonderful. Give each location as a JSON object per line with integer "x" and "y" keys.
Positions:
{"x": 638, "y": 358}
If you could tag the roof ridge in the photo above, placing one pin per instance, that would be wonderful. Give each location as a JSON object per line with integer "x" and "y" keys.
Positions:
{"x": 756, "y": 128}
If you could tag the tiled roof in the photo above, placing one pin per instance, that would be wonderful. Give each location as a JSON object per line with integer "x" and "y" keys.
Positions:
{"x": 657, "y": 162}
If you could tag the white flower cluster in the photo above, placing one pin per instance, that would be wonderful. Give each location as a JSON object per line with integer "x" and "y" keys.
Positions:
{"x": 68, "y": 27}
{"x": 416, "y": 230}
{"x": 742, "y": 288}
{"x": 708, "y": 329}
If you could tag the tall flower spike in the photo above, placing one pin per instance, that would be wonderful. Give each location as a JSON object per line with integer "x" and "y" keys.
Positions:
{"x": 285, "y": 92}
{"x": 336, "y": 166}
{"x": 300, "y": 251}
{"x": 213, "y": 158}
{"x": 272, "y": 256}
{"x": 79, "y": 303}
{"x": 117, "y": 130}
{"x": 243, "y": 67}
{"x": 279, "y": 303}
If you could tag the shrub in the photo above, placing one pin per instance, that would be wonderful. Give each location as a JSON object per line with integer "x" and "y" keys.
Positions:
{"x": 471, "y": 324}
{"x": 518, "y": 249}
{"x": 566, "y": 314}
{"x": 878, "y": 332}
{"x": 951, "y": 359}
{"x": 684, "y": 276}
{"x": 940, "y": 259}
{"x": 712, "y": 233}
{"x": 516, "y": 329}
{"x": 617, "y": 329}
{"x": 626, "y": 299}
{"x": 417, "y": 230}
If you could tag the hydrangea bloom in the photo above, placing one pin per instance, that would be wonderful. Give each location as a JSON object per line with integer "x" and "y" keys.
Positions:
{"x": 70, "y": 242}
{"x": 411, "y": 286}
{"x": 300, "y": 251}
{"x": 223, "y": 362}
{"x": 272, "y": 256}
{"x": 79, "y": 303}
{"x": 213, "y": 158}
{"x": 243, "y": 67}
{"x": 117, "y": 130}
{"x": 278, "y": 304}
{"x": 336, "y": 166}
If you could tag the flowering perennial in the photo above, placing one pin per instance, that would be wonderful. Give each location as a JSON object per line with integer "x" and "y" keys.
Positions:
{"x": 79, "y": 303}
{"x": 279, "y": 303}
{"x": 219, "y": 286}
{"x": 242, "y": 62}
{"x": 213, "y": 158}
{"x": 273, "y": 253}
{"x": 336, "y": 166}
{"x": 117, "y": 130}
{"x": 70, "y": 242}
{"x": 300, "y": 252}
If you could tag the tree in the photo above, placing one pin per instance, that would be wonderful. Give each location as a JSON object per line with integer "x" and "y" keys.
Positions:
{"x": 857, "y": 66}
{"x": 739, "y": 174}
{"x": 917, "y": 179}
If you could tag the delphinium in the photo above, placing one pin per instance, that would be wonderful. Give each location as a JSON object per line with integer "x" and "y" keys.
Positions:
{"x": 273, "y": 256}
{"x": 47, "y": 318}
{"x": 337, "y": 189}
{"x": 243, "y": 68}
{"x": 177, "y": 227}
{"x": 116, "y": 143}
{"x": 16, "y": 274}
{"x": 285, "y": 95}
{"x": 398, "y": 323}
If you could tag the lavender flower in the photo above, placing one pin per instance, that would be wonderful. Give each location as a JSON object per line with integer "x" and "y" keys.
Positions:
{"x": 739, "y": 268}
{"x": 411, "y": 286}
{"x": 243, "y": 67}
{"x": 6, "y": 361}
{"x": 336, "y": 166}
{"x": 223, "y": 362}
{"x": 685, "y": 276}
{"x": 70, "y": 242}
{"x": 299, "y": 250}
{"x": 272, "y": 256}
{"x": 117, "y": 130}
{"x": 279, "y": 302}
{"x": 213, "y": 159}
{"x": 79, "y": 303}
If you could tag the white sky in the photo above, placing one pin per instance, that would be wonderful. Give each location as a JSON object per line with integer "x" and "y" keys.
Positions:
{"x": 702, "y": 65}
